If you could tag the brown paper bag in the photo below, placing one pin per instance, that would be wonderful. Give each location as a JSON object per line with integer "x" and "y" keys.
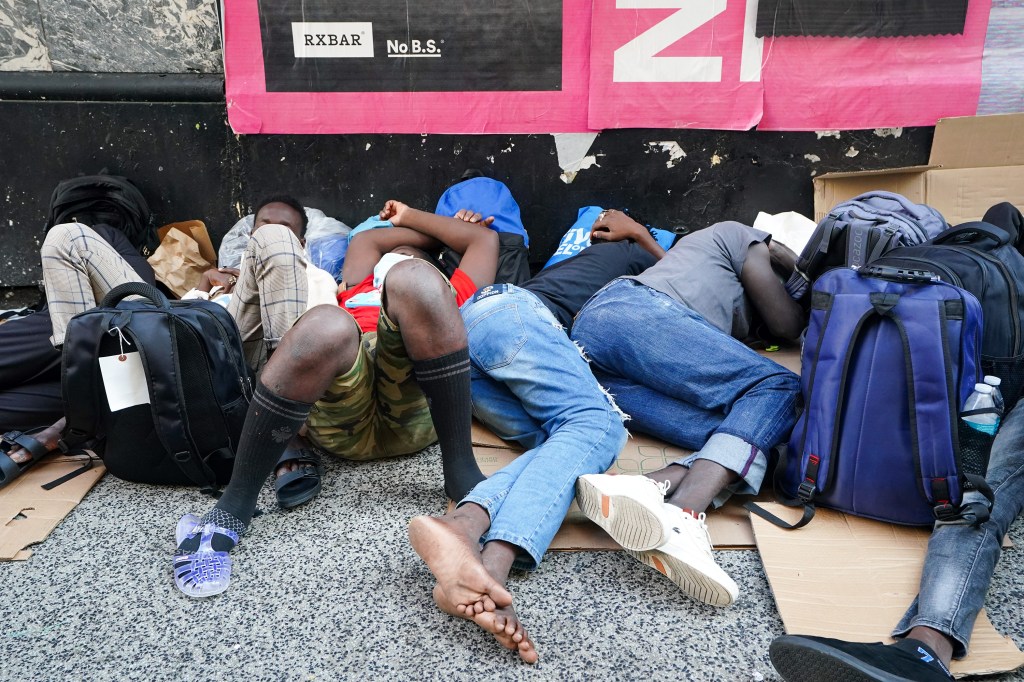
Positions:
{"x": 184, "y": 254}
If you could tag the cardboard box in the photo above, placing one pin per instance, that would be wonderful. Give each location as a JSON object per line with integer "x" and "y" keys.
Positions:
{"x": 852, "y": 578}
{"x": 975, "y": 162}
{"x": 29, "y": 513}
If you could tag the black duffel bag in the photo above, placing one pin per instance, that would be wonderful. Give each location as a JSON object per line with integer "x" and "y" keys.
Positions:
{"x": 982, "y": 259}
{"x": 176, "y": 376}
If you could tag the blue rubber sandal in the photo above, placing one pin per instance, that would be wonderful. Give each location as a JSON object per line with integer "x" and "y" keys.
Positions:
{"x": 204, "y": 573}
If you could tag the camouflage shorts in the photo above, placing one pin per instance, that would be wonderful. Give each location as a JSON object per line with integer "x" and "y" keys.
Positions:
{"x": 376, "y": 409}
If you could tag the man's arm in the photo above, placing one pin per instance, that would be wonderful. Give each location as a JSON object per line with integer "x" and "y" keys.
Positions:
{"x": 368, "y": 247}
{"x": 478, "y": 245}
{"x": 614, "y": 226}
{"x": 781, "y": 313}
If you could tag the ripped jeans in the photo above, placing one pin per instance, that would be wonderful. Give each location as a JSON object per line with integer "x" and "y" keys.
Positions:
{"x": 530, "y": 384}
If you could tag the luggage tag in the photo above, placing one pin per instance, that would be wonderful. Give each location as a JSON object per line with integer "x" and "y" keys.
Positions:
{"x": 124, "y": 379}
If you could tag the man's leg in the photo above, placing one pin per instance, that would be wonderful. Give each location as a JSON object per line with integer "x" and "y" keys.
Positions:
{"x": 528, "y": 378}
{"x": 79, "y": 269}
{"x": 421, "y": 304}
{"x": 684, "y": 381}
{"x": 748, "y": 403}
{"x": 322, "y": 345}
{"x": 958, "y": 569}
{"x": 271, "y": 292}
{"x": 29, "y": 374}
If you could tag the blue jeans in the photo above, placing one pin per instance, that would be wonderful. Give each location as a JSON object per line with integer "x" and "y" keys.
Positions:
{"x": 961, "y": 559}
{"x": 686, "y": 382}
{"x": 530, "y": 384}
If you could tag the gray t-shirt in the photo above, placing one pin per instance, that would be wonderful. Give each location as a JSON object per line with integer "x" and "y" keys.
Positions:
{"x": 702, "y": 271}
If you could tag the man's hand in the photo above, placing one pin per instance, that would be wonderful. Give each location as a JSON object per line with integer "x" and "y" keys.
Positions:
{"x": 614, "y": 226}
{"x": 394, "y": 212}
{"x": 468, "y": 216}
{"x": 222, "y": 277}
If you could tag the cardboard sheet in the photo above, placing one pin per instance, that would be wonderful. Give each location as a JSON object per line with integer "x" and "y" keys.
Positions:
{"x": 852, "y": 578}
{"x": 29, "y": 513}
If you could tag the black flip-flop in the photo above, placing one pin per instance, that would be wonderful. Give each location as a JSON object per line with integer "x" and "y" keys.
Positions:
{"x": 9, "y": 469}
{"x": 304, "y": 483}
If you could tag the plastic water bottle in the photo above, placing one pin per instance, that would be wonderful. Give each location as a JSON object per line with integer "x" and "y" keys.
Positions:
{"x": 986, "y": 421}
{"x": 997, "y": 396}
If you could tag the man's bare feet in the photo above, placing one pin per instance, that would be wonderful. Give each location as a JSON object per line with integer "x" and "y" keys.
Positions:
{"x": 48, "y": 437}
{"x": 504, "y": 624}
{"x": 453, "y": 556}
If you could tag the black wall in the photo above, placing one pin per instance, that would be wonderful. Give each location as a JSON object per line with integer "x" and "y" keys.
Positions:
{"x": 189, "y": 164}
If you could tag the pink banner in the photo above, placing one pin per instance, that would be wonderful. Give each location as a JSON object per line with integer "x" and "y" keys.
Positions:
{"x": 312, "y": 66}
{"x": 252, "y": 109}
{"x": 674, "y": 64}
{"x": 849, "y": 83}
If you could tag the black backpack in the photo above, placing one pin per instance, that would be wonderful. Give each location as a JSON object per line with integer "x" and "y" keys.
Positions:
{"x": 858, "y": 231}
{"x": 982, "y": 259}
{"x": 513, "y": 259}
{"x": 107, "y": 199}
{"x": 185, "y": 427}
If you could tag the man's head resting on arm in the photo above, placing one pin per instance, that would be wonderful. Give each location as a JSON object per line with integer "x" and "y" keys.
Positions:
{"x": 281, "y": 209}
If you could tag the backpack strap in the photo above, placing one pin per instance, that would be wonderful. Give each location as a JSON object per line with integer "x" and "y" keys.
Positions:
{"x": 156, "y": 340}
{"x": 843, "y": 322}
{"x": 79, "y": 377}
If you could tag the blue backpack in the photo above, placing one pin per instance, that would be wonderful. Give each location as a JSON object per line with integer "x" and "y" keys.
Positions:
{"x": 886, "y": 367}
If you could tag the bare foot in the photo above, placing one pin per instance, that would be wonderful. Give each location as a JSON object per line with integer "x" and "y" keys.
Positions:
{"x": 48, "y": 437}
{"x": 505, "y": 626}
{"x": 454, "y": 559}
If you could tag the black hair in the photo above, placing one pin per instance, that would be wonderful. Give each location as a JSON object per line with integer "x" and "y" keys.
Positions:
{"x": 287, "y": 200}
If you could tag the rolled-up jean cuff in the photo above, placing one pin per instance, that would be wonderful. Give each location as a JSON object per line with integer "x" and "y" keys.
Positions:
{"x": 736, "y": 455}
{"x": 528, "y": 558}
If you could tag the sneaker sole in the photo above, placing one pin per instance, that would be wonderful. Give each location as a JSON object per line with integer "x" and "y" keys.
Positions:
{"x": 690, "y": 579}
{"x": 628, "y": 522}
{"x": 801, "y": 660}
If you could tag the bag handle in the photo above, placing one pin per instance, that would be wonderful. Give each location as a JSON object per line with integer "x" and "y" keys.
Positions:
{"x": 894, "y": 274}
{"x": 147, "y": 291}
{"x": 982, "y": 230}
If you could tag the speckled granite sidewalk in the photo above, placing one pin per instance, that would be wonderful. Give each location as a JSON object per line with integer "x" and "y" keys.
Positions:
{"x": 333, "y": 591}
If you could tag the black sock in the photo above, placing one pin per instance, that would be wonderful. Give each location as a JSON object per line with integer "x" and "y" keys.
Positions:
{"x": 270, "y": 424}
{"x": 445, "y": 382}
{"x": 922, "y": 652}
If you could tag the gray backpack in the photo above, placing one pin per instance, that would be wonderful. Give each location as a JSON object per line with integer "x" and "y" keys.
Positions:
{"x": 858, "y": 231}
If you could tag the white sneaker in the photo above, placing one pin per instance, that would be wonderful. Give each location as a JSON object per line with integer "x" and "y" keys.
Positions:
{"x": 686, "y": 560}
{"x": 631, "y": 509}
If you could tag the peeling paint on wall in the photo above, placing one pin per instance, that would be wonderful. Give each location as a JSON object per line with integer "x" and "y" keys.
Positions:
{"x": 827, "y": 133}
{"x": 813, "y": 158}
{"x": 572, "y": 151}
{"x": 889, "y": 132}
{"x": 675, "y": 152}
